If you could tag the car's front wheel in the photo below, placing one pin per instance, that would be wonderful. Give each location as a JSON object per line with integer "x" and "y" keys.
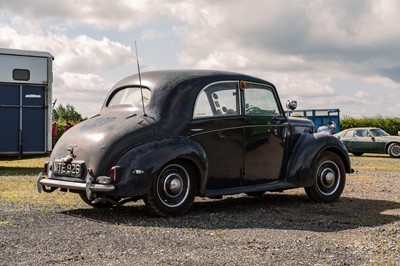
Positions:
{"x": 173, "y": 190}
{"x": 394, "y": 150}
{"x": 329, "y": 178}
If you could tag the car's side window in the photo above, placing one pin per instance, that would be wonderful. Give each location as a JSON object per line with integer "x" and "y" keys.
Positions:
{"x": 218, "y": 99}
{"x": 260, "y": 100}
{"x": 349, "y": 134}
{"x": 361, "y": 133}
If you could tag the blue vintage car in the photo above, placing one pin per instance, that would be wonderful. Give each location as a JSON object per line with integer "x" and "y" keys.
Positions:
{"x": 174, "y": 135}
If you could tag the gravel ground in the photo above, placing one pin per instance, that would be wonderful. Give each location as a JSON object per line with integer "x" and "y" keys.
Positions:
{"x": 363, "y": 228}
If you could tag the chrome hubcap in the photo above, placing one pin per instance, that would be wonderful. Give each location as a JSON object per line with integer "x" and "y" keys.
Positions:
{"x": 328, "y": 178}
{"x": 396, "y": 151}
{"x": 173, "y": 185}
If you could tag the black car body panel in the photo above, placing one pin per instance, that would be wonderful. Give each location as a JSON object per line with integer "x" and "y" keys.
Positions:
{"x": 231, "y": 146}
{"x": 306, "y": 149}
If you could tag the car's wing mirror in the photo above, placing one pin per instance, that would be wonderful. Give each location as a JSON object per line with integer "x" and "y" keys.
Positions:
{"x": 291, "y": 105}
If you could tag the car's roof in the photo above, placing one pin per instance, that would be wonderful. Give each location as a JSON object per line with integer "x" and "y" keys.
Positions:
{"x": 178, "y": 89}
{"x": 365, "y": 128}
{"x": 156, "y": 79}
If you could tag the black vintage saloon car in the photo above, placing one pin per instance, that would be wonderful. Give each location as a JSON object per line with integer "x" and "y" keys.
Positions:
{"x": 169, "y": 136}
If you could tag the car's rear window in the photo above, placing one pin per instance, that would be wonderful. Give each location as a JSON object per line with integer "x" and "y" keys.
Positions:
{"x": 131, "y": 96}
{"x": 377, "y": 132}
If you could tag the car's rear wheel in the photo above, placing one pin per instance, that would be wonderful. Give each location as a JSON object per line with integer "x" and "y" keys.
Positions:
{"x": 358, "y": 153}
{"x": 394, "y": 150}
{"x": 329, "y": 178}
{"x": 173, "y": 190}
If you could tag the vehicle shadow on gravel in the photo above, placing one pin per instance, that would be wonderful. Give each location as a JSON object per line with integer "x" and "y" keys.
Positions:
{"x": 272, "y": 211}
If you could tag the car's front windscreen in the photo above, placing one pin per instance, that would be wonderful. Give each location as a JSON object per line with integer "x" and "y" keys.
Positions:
{"x": 131, "y": 96}
{"x": 377, "y": 132}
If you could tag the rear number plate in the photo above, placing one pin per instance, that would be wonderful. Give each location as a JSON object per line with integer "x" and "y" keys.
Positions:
{"x": 68, "y": 169}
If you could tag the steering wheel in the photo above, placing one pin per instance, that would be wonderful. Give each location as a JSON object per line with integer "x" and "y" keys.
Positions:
{"x": 254, "y": 110}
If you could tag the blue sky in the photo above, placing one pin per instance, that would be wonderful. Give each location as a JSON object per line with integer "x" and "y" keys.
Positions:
{"x": 325, "y": 54}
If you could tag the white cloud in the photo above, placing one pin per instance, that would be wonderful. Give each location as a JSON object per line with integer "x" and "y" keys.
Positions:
{"x": 361, "y": 94}
{"x": 300, "y": 45}
{"x": 119, "y": 14}
{"x": 86, "y": 92}
{"x": 83, "y": 54}
{"x": 382, "y": 81}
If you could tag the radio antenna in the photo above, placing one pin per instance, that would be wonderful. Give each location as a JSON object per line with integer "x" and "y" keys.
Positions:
{"x": 140, "y": 80}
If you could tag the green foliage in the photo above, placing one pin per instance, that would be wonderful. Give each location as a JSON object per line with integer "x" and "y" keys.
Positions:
{"x": 390, "y": 124}
{"x": 64, "y": 115}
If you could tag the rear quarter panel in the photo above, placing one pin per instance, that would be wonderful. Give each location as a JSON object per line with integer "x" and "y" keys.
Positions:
{"x": 151, "y": 157}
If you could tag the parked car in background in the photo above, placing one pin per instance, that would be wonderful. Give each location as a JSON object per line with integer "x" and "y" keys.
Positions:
{"x": 370, "y": 140}
{"x": 168, "y": 136}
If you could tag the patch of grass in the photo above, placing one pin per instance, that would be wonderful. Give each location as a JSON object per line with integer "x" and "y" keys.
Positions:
{"x": 26, "y": 192}
{"x": 18, "y": 185}
{"x": 23, "y": 167}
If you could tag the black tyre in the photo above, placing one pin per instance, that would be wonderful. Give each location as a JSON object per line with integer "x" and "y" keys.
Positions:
{"x": 357, "y": 153}
{"x": 173, "y": 190}
{"x": 101, "y": 204}
{"x": 394, "y": 150}
{"x": 329, "y": 179}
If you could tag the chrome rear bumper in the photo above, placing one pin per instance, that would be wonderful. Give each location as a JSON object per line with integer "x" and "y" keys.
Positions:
{"x": 88, "y": 186}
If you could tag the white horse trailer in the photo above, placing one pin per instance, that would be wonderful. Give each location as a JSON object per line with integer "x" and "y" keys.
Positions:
{"x": 26, "y": 79}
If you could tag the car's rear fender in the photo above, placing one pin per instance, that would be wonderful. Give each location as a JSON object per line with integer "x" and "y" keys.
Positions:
{"x": 141, "y": 164}
{"x": 306, "y": 151}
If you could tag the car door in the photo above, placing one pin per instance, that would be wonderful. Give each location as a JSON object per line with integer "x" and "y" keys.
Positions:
{"x": 363, "y": 142}
{"x": 265, "y": 132}
{"x": 219, "y": 127}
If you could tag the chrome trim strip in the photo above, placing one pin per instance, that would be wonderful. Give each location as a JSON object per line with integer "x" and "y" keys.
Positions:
{"x": 215, "y": 130}
{"x": 230, "y": 128}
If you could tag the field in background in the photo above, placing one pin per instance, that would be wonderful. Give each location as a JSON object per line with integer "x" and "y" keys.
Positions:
{"x": 18, "y": 181}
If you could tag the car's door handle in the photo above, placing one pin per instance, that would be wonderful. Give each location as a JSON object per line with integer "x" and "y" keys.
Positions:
{"x": 196, "y": 129}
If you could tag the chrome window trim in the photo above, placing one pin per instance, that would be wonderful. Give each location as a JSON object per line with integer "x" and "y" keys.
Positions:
{"x": 212, "y": 84}
{"x": 273, "y": 90}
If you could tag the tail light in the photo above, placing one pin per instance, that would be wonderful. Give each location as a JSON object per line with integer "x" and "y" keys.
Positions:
{"x": 114, "y": 173}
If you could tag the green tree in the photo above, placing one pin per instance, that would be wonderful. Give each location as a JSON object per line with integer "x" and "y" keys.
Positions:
{"x": 62, "y": 115}
{"x": 66, "y": 114}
